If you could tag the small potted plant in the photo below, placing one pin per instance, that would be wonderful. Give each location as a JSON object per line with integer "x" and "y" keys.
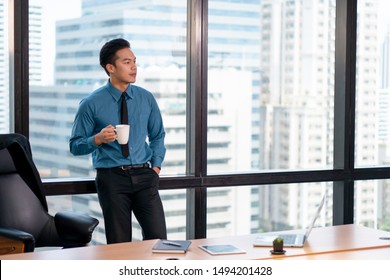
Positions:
{"x": 278, "y": 246}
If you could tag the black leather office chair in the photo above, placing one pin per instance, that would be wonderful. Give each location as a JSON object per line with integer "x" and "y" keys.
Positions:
{"x": 23, "y": 207}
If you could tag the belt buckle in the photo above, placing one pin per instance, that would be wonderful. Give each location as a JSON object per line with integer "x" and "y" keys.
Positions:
{"x": 126, "y": 167}
{"x": 136, "y": 166}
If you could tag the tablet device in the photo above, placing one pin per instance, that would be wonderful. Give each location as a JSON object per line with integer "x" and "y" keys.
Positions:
{"x": 221, "y": 249}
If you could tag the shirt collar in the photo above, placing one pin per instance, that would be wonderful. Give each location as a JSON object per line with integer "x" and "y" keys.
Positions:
{"x": 116, "y": 93}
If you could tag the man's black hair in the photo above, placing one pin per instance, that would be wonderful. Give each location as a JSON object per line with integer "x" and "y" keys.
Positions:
{"x": 108, "y": 52}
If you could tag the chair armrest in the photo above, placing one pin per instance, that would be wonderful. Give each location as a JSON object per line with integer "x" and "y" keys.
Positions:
{"x": 74, "y": 226}
{"x": 15, "y": 241}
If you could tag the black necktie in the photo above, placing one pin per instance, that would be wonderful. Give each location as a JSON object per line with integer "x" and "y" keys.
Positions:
{"x": 124, "y": 120}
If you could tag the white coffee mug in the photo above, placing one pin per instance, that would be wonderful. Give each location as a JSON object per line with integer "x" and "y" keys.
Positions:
{"x": 122, "y": 133}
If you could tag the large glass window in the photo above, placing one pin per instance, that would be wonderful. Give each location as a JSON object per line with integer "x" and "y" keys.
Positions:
{"x": 270, "y": 85}
{"x": 270, "y": 106}
{"x": 270, "y": 95}
{"x": 383, "y": 205}
{"x": 372, "y": 203}
{"x": 372, "y": 133}
{"x": 65, "y": 40}
{"x": 245, "y": 210}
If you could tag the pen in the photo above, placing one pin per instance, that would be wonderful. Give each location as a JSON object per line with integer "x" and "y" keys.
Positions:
{"x": 171, "y": 243}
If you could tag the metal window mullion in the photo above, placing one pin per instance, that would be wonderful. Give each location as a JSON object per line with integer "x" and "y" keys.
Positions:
{"x": 19, "y": 66}
{"x": 344, "y": 109}
{"x": 197, "y": 116}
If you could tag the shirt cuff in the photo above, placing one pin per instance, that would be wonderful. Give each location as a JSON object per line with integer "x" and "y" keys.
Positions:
{"x": 91, "y": 142}
{"x": 156, "y": 163}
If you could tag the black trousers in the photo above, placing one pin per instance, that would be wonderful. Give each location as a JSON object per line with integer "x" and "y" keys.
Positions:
{"x": 122, "y": 191}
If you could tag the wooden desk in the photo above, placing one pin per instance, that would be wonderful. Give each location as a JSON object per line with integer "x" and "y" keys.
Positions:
{"x": 382, "y": 253}
{"x": 336, "y": 242}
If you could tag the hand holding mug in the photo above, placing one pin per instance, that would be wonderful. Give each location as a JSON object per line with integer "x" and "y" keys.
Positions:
{"x": 106, "y": 135}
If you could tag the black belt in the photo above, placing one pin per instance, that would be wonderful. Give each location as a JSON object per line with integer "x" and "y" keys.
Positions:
{"x": 135, "y": 166}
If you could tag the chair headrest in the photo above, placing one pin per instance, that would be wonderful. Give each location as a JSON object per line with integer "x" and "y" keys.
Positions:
{"x": 17, "y": 157}
{"x": 6, "y": 162}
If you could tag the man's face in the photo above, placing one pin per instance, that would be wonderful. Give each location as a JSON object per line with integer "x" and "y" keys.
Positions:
{"x": 125, "y": 68}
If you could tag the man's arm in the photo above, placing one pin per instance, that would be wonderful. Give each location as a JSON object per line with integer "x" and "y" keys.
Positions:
{"x": 83, "y": 139}
{"x": 156, "y": 137}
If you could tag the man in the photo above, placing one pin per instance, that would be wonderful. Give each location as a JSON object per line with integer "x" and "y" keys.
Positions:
{"x": 124, "y": 183}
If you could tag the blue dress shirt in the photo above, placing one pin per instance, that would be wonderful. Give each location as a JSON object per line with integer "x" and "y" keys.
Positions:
{"x": 101, "y": 108}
